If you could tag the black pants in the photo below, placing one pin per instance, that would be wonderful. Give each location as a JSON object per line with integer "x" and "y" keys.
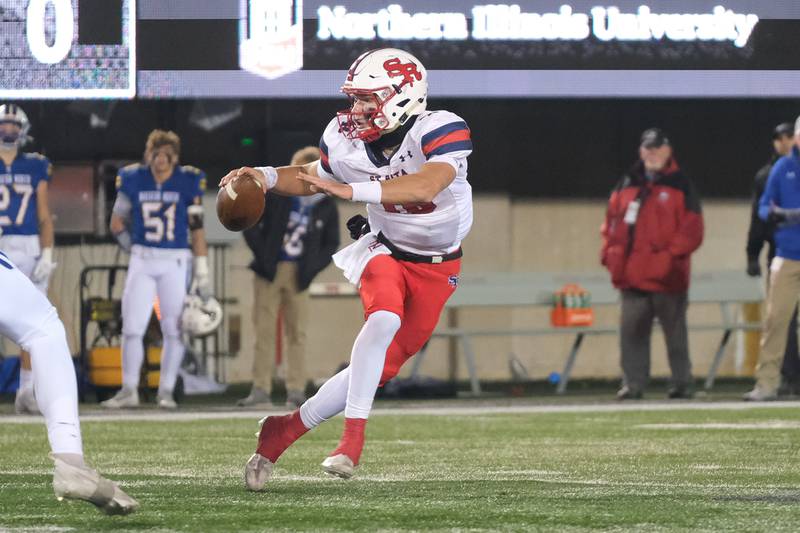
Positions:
{"x": 639, "y": 308}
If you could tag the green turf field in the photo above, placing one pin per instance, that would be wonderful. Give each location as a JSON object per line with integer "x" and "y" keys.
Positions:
{"x": 676, "y": 470}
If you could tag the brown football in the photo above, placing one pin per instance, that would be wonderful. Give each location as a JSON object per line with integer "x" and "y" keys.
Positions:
{"x": 240, "y": 203}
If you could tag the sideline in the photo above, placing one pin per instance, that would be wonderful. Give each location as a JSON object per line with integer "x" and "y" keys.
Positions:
{"x": 153, "y": 415}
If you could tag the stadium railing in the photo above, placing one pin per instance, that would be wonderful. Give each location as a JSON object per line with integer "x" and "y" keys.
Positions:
{"x": 727, "y": 289}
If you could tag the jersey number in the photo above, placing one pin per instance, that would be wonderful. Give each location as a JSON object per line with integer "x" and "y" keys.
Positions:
{"x": 24, "y": 189}
{"x": 155, "y": 224}
{"x": 410, "y": 209}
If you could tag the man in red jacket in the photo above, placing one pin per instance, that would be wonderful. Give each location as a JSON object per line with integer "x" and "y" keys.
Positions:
{"x": 653, "y": 224}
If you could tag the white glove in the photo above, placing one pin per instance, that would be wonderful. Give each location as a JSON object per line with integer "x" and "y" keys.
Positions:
{"x": 44, "y": 266}
{"x": 202, "y": 278}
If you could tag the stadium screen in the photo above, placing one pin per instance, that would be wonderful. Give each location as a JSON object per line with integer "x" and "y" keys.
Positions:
{"x": 67, "y": 49}
{"x": 300, "y": 48}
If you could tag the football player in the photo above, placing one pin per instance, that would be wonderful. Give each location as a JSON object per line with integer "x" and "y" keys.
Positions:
{"x": 26, "y": 227}
{"x": 27, "y": 318}
{"x": 158, "y": 208}
{"x": 409, "y": 166}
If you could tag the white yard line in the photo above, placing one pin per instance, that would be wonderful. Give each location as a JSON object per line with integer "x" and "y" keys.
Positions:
{"x": 772, "y": 424}
{"x": 153, "y": 415}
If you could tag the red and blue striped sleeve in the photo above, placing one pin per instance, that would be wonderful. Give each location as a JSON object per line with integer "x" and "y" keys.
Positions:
{"x": 452, "y": 137}
{"x": 323, "y": 157}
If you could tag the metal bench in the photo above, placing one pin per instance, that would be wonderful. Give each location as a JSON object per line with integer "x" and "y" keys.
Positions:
{"x": 727, "y": 289}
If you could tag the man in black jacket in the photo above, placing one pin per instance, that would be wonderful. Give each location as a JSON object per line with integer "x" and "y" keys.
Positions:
{"x": 291, "y": 244}
{"x": 761, "y": 232}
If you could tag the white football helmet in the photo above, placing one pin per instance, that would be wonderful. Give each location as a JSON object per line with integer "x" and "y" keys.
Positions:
{"x": 200, "y": 317}
{"x": 394, "y": 83}
{"x": 13, "y": 138}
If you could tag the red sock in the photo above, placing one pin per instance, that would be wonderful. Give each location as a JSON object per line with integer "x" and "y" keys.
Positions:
{"x": 278, "y": 433}
{"x": 352, "y": 441}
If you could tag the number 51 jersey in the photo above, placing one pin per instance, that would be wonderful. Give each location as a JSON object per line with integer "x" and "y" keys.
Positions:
{"x": 433, "y": 228}
{"x": 159, "y": 211}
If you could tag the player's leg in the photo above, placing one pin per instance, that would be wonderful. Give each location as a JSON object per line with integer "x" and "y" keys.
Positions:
{"x": 382, "y": 285}
{"x": 25, "y": 401}
{"x": 295, "y": 318}
{"x": 22, "y": 251}
{"x": 383, "y": 293}
{"x": 429, "y": 288}
{"x": 137, "y": 306}
{"x": 266, "y": 303}
{"x": 33, "y": 323}
{"x": 279, "y": 432}
{"x": 171, "y": 294}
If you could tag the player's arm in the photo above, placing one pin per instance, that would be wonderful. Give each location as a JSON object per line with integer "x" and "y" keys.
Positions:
{"x": 280, "y": 180}
{"x": 198, "y": 232}
{"x": 120, "y": 220}
{"x": 46, "y": 232}
{"x": 45, "y": 264}
{"x": 201, "y": 278}
{"x": 420, "y": 187}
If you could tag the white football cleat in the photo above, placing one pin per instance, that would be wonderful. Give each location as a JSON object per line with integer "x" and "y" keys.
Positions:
{"x": 257, "y": 472}
{"x": 164, "y": 400}
{"x": 123, "y": 398}
{"x": 83, "y": 483}
{"x": 339, "y": 465}
{"x": 25, "y": 402}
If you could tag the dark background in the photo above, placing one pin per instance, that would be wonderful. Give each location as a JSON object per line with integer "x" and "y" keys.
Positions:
{"x": 540, "y": 148}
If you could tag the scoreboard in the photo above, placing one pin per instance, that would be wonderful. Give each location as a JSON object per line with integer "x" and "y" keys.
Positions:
{"x": 67, "y": 49}
{"x": 471, "y": 48}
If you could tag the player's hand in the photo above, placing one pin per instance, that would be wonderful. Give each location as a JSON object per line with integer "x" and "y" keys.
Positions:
{"x": 753, "y": 268}
{"x": 331, "y": 188}
{"x": 202, "y": 278}
{"x": 244, "y": 172}
{"x": 44, "y": 266}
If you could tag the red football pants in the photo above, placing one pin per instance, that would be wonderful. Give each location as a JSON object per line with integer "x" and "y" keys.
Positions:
{"x": 416, "y": 292}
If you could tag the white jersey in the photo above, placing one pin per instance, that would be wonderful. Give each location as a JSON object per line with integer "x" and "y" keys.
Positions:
{"x": 433, "y": 228}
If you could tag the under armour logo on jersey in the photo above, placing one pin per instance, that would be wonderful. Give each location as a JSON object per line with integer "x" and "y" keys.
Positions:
{"x": 408, "y": 155}
{"x": 408, "y": 70}
{"x": 790, "y": 175}
{"x": 452, "y": 281}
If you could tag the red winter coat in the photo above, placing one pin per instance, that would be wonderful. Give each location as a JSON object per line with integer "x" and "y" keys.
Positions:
{"x": 653, "y": 254}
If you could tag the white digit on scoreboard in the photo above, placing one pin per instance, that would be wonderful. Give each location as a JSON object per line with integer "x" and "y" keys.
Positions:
{"x": 64, "y": 33}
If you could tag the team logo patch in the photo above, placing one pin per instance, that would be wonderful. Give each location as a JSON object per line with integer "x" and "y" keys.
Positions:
{"x": 452, "y": 281}
{"x": 374, "y": 245}
{"x": 663, "y": 196}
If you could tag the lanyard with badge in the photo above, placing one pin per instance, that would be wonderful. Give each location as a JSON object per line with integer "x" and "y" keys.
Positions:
{"x": 632, "y": 213}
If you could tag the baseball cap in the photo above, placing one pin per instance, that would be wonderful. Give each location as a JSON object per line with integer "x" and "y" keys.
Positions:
{"x": 654, "y": 138}
{"x": 784, "y": 129}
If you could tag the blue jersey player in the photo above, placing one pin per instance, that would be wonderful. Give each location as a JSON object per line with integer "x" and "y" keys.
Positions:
{"x": 26, "y": 227}
{"x": 158, "y": 216}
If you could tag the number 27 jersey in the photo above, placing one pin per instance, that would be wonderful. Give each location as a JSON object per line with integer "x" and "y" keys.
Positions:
{"x": 159, "y": 211}
{"x": 431, "y": 228}
{"x": 18, "y": 198}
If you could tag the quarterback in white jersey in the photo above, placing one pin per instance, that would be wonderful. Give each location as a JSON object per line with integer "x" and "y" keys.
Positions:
{"x": 437, "y": 226}
{"x": 26, "y": 226}
{"x": 28, "y": 318}
{"x": 409, "y": 166}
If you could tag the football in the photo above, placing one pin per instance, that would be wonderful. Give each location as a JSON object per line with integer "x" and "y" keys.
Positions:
{"x": 240, "y": 203}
